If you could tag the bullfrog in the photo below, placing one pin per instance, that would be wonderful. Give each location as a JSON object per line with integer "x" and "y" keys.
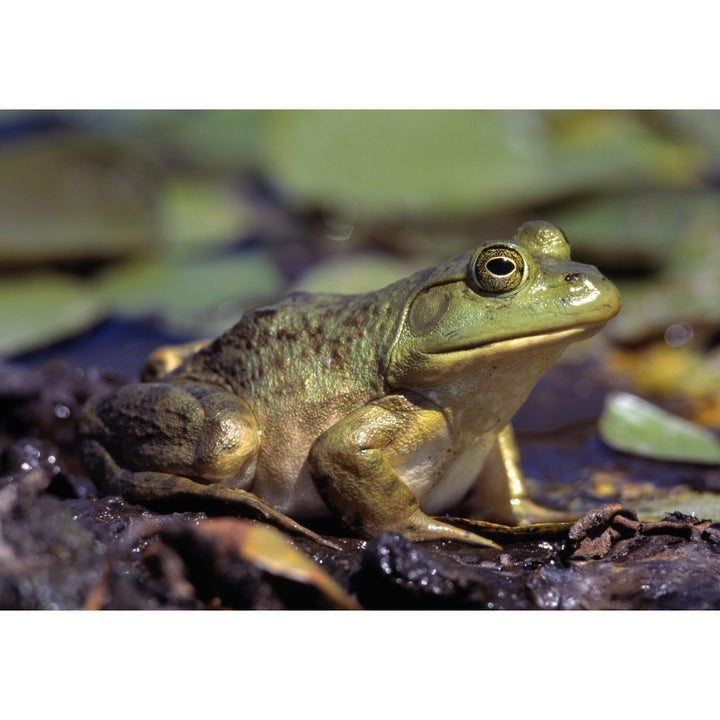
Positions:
{"x": 383, "y": 409}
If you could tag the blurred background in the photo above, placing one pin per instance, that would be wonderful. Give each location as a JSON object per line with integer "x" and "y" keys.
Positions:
{"x": 123, "y": 229}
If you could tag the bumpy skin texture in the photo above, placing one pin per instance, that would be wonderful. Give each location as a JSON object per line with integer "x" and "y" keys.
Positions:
{"x": 382, "y": 409}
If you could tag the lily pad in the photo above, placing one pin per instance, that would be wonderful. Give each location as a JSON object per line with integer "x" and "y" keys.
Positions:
{"x": 224, "y": 140}
{"x": 393, "y": 163}
{"x": 67, "y": 198}
{"x": 203, "y": 293}
{"x": 633, "y": 425}
{"x": 645, "y": 228}
{"x": 202, "y": 212}
{"x": 673, "y": 369}
{"x": 355, "y": 274}
{"x": 41, "y": 308}
{"x": 699, "y": 504}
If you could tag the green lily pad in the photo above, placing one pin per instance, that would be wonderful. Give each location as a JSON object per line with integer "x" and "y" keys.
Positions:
{"x": 686, "y": 290}
{"x": 42, "y": 308}
{"x": 355, "y": 274}
{"x": 202, "y": 212}
{"x": 633, "y": 425}
{"x": 703, "y": 505}
{"x": 203, "y": 294}
{"x": 65, "y": 197}
{"x": 646, "y": 227}
{"x": 391, "y": 163}
{"x": 223, "y": 140}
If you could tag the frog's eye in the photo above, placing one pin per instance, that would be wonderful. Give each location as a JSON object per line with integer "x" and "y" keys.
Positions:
{"x": 498, "y": 269}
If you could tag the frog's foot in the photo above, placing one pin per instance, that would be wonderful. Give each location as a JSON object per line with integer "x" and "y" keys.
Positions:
{"x": 422, "y": 527}
{"x": 528, "y": 512}
{"x": 167, "y": 358}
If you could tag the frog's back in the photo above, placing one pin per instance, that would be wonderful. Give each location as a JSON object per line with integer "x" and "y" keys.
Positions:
{"x": 306, "y": 352}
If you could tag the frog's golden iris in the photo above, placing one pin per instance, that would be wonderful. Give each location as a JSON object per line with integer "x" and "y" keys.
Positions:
{"x": 498, "y": 269}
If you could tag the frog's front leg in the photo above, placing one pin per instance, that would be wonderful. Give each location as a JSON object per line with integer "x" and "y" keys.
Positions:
{"x": 500, "y": 493}
{"x": 352, "y": 466}
{"x": 189, "y": 444}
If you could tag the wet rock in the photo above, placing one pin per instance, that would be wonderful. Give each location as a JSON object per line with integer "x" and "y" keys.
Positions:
{"x": 682, "y": 576}
{"x": 396, "y": 573}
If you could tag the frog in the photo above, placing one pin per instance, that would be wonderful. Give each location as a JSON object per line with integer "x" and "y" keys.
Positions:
{"x": 384, "y": 410}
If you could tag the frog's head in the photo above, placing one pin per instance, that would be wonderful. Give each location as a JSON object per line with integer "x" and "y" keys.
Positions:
{"x": 505, "y": 298}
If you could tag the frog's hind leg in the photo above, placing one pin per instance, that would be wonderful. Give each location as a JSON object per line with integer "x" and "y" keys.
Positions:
{"x": 196, "y": 430}
{"x": 190, "y": 446}
{"x": 164, "y": 489}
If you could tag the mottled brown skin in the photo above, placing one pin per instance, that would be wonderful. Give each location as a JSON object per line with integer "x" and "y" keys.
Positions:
{"x": 382, "y": 409}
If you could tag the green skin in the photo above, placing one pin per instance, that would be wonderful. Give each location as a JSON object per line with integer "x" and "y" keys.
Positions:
{"x": 383, "y": 409}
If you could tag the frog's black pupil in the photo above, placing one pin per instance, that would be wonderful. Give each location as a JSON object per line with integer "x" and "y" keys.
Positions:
{"x": 500, "y": 266}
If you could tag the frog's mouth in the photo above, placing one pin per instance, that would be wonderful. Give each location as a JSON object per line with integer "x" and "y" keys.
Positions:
{"x": 512, "y": 344}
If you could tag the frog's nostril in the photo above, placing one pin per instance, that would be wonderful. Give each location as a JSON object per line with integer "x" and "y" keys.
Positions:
{"x": 574, "y": 277}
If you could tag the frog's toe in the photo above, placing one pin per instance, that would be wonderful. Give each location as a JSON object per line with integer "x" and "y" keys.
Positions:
{"x": 528, "y": 512}
{"x": 422, "y": 527}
